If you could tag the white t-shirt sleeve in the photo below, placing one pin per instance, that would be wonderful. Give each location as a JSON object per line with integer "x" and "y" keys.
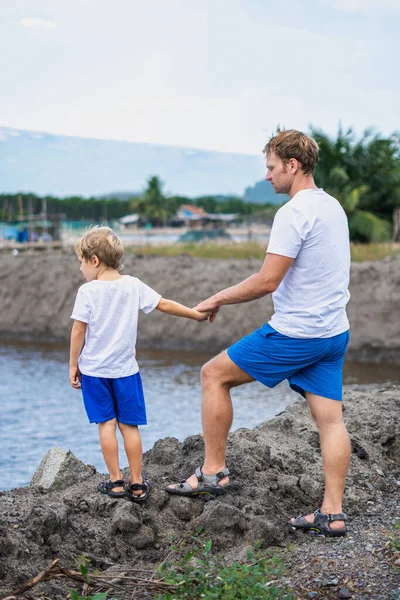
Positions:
{"x": 148, "y": 298}
{"x": 82, "y": 308}
{"x": 289, "y": 231}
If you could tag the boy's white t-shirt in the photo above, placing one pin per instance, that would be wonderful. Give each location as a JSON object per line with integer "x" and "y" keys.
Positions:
{"x": 110, "y": 309}
{"x": 311, "y": 300}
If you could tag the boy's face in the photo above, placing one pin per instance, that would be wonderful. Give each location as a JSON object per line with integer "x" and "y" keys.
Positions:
{"x": 90, "y": 267}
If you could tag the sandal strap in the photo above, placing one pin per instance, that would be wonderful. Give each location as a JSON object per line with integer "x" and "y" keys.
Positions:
{"x": 337, "y": 517}
{"x": 116, "y": 483}
{"x": 220, "y": 475}
{"x": 136, "y": 487}
{"x": 330, "y": 517}
{"x": 206, "y": 481}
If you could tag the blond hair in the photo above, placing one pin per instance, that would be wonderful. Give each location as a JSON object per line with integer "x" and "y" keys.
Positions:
{"x": 291, "y": 143}
{"x": 103, "y": 243}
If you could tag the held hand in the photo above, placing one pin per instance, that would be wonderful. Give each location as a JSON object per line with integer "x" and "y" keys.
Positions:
{"x": 75, "y": 378}
{"x": 207, "y": 305}
{"x": 203, "y": 316}
{"x": 214, "y": 314}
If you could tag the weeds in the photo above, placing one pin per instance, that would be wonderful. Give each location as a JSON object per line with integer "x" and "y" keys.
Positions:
{"x": 203, "y": 575}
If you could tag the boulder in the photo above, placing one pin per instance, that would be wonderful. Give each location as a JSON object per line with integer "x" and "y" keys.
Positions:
{"x": 58, "y": 469}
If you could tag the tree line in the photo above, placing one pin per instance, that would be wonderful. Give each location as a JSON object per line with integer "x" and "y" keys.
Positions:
{"x": 362, "y": 172}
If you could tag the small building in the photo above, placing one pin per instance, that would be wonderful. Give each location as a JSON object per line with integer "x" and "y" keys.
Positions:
{"x": 130, "y": 221}
{"x": 191, "y": 216}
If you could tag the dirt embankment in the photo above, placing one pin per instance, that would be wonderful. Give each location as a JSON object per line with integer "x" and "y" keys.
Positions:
{"x": 38, "y": 291}
{"x": 276, "y": 473}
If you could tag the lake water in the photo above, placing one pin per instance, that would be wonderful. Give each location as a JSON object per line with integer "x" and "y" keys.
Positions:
{"x": 41, "y": 410}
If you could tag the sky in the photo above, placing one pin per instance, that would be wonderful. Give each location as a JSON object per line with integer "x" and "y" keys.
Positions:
{"x": 215, "y": 74}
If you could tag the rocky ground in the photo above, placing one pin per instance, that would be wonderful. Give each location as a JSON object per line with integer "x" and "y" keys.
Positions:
{"x": 276, "y": 473}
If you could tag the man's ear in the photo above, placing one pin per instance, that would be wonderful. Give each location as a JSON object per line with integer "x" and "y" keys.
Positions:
{"x": 95, "y": 261}
{"x": 294, "y": 165}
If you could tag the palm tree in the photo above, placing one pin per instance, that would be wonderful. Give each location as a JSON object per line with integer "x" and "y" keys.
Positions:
{"x": 365, "y": 177}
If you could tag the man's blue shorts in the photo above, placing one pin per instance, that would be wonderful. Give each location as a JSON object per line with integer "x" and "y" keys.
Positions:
{"x": 120, "y": 399}
{"x": 311, "y": 365}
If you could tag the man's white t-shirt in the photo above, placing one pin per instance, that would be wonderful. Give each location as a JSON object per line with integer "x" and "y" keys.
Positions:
{"x": 110, "y": 309}
{"x": 311, "y": 300}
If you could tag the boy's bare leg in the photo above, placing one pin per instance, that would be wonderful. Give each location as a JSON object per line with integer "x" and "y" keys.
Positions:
{"x": 109, "y": 447}
{"x": 335, "y": 450}
{"x": 218, "y": 377}
{"x": 133, "y": 450}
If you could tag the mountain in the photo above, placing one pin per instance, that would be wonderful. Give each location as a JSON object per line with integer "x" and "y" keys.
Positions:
{"x": 45, "y": 163}
{"x": 262, "y": 192}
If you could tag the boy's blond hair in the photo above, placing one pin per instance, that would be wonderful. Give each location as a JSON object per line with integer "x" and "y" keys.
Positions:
{"x": 291, "y": 143}
{"x": 103, "y": 243}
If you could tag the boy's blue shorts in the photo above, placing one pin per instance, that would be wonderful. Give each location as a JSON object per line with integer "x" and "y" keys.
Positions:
{"x": 311, "y": 365}
{"x": 120, "y": 399}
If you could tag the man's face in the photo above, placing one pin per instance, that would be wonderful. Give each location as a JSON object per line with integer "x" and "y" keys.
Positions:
{"x": 278, "y": 174}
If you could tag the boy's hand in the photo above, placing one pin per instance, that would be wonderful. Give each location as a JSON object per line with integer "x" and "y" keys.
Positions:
{"x": 203, "y": 316}
{"x": 75, "y": 377}
{"x": 210, "y": 306}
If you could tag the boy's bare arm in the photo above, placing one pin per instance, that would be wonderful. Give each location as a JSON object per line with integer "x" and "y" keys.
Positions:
{"x": 77, "y": 341}
{"x": 179, "y": 310}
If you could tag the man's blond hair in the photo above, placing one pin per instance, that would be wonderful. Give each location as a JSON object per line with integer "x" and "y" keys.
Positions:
{"x": 291, "y": 143}
{"x": 103, "y": 243}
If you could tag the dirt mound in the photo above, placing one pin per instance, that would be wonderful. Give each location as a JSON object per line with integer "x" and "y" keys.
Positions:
{"x": 276, "y": 473}
{"x": 38, "y": 292}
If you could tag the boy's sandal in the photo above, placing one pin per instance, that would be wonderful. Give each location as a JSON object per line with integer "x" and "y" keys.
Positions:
{"x": 321, "y": 524}
{"x": 143, "y": 487}
{"x": 207, "y": 484}
{"x": 106, "y": 487}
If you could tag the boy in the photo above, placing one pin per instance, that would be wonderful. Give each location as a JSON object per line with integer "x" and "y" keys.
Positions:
{"x": 102, "y": 354}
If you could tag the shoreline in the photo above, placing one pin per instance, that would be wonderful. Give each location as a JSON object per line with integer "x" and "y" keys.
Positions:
{"x": 38, "y": 293}
{"x": 276, "y": 473}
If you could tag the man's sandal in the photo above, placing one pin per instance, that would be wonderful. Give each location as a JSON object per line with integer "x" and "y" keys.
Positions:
{"x": 207, "y": 484}
{"x": 106, "y": 487}
{"x": 143, "y": 487}
{"x": 321, "y": 524}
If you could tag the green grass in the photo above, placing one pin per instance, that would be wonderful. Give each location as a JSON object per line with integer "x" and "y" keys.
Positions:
{"x": 202, "y": 574}
{"x": 359, "y": 252}
{"x": 395, "y": 538}
{"x": 364, "y": 252}
{"x": 204, "y": 250}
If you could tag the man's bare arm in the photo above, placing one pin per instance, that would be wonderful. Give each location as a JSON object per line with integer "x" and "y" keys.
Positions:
{"x": 256, "y": 286}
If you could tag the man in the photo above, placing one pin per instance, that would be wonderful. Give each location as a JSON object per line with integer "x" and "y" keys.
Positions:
{"x": 307, "y": 270}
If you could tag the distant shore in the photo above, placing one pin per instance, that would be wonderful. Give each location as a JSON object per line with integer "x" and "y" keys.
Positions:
{"x": 38, "y": 291}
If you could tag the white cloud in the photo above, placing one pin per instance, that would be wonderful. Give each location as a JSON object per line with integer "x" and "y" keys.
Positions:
{"x": 366, "y": 6}
{"x": 33, "y": 23}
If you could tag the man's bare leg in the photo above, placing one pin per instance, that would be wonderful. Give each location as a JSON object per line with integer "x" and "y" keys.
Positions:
{"x": 335, "y": 450}
{"x": 218, "y": 377}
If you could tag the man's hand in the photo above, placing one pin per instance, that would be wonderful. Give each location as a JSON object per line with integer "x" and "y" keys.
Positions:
{"x": 209, "y": 305}
{"x": 75, "y": 377}
{"x": 203, "y": 316}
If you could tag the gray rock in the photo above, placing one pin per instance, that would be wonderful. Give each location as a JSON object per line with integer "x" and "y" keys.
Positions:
{"x": 185, "y": 508}
{"x": 59, "y": 469}
{"x": 126, "y": 519}
{"x": 144, "y": 537}
{"x": 344, "y": 594}
{"x": 330, "y": 582}
{"x": 218, "y": 517}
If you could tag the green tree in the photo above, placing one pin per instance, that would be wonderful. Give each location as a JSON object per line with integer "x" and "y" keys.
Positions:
{"x": 364, "y": 175}
{"x": 152, "y": 205}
